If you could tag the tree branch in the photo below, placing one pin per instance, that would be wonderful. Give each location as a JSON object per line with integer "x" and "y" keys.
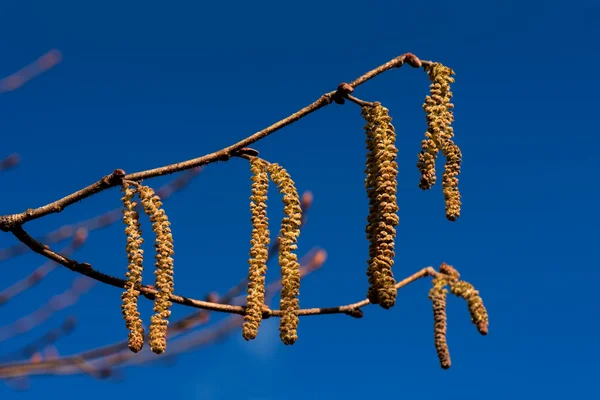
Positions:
{"x": 9, "y": 222}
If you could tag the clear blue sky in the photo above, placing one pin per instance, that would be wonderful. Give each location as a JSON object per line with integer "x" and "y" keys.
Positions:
{"x": 143, "y": 84}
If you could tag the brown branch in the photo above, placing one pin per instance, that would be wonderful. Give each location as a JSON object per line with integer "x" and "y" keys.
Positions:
{"x": 9, "y": 222}
{"x": 115, "y": 354}
{"x": 150, "y": 292}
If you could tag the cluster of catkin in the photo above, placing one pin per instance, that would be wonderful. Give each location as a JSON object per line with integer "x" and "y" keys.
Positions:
{"x": 381, "y": 184}
{"x": 288, "y": 260}
{"x": 163, "y": 245}
{"x": 438, "y": 109}
{"x": 437, "y": 294}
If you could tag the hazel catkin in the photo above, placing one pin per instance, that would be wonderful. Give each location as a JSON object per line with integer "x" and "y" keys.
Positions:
{"x": 259, "y": 251}
{"x": 437, "y": 295}
{"x": 135, "y": 257}
{"x": 381, "y": 184}
{"x": 288, "y": 260}
{"x": 164, "y": 268}
{"x": 438, "y": 109}
{"x": 479, "y": 315}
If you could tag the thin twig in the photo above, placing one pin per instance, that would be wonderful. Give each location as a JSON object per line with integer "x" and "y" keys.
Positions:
{"x": 9, "y": 222}
{"x": 58, "y": 302}
{"x": 9, "y": 162}
{"x": 43, "y": 63}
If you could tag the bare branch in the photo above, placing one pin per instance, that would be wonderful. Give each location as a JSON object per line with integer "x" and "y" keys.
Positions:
{"x": 9, "y": 222}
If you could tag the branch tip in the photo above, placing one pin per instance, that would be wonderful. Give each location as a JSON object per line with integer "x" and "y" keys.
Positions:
{"x": 413, "y": 60}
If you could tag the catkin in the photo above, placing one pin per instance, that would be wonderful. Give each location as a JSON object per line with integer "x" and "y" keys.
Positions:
{"x": 288, "y": 260}
{"x": 479, "y": 315}
{"x": 381, "y": 184}
{"x": 164, "y": 268}
{"x": 437, "y": 295}
{"x": 135, "y": 257}
{"x": 449, "y": 270}
{"x": 259, "y": 251}
{"x": 438, "y": 109}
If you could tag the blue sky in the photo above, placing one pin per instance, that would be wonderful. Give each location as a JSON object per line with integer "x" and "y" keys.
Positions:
{"x": 144, "y": 84}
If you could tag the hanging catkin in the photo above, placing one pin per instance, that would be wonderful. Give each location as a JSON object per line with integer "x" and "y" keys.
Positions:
{"x": 135, "y": 257}
{"x": 438, "y": 109}
{"x": 288, "y": 260}
{"x": 164, "y": 268}
{"x": 479, "y": 315}
{"x": 381, "y": 185}
{"x": 437, "y": 295}
{"x": 259, "y": 250}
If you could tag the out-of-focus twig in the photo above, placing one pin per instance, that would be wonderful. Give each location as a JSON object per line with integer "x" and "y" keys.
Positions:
{"x": 45, "y": 62}
{"x": 49, "y": 338}
{"x": 41, "y": 272}
{"x": 9, "y": 162}
{"x": 24, "y": 324}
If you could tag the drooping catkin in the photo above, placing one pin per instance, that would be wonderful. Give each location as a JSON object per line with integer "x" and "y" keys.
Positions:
{"x": 259, "y": 250}
{"x": 479, "y": 315}
{"x": 437, "y": 295}
{"x": 438, "y": 109}
{"x": 288, "y": 260}
{"x": 381, "y": 185}
{"x": 452, "y": 274}
{"x": 163, "y": 246}
{"x": 135, "y": 257}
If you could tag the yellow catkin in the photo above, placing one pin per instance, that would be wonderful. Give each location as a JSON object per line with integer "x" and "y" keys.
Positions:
{"x": 288, "y": 260}
{"x": 163, "y": 246}
{"x": 381, "y": 185}
{"x": 438, "y": 109}
{"x": 479, "y": 315}
{"x": 259, "y": 250}
{"x": 450, "y": 271}
{"x": 426, "y": 162}
{"x": 135, "y": 257}
{"x": 437, "y": 295}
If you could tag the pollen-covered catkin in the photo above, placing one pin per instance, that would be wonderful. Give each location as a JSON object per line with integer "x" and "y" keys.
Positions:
{"x": 164, "y": 268}
{"x": 426, "y": 163}
{"x": 288, "y": 260}
{"x": 449, "y": 270}
{"x": 259, "y": 251}
{"x": 438, "y": 109}
{"x": 437, "y": 295}
{"x": 381, "y": 185}
{"x": 135, "y": 257}
{"x": 479, "y": 315}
